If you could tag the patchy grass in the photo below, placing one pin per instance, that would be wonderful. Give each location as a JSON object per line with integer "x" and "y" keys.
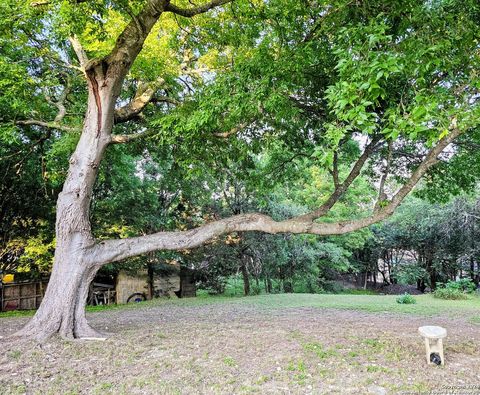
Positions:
{"x": 90, "y": 309}
{"x": 319, "y": 350}
{"x": 17, "y": 313}
{"x": 359, "y": 291}
{"x": 475, "y": 320}
{"x": 426, "y": 305}
{"x": 296, "y": 343}
{"x": 229, "y": 361}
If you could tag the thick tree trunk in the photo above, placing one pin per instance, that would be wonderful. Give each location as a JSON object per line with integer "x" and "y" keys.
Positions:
{"x": 57, "y": 311}
{"x": 63, "y": 307}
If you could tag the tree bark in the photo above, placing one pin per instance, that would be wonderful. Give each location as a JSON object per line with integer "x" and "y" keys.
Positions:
{"x": 63, "y": 306}
{"x": 76, "y": 261}
{"x": 246, "y": 279}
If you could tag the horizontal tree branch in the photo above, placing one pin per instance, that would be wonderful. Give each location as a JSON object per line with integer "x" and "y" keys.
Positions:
{"x": 127, "y": 138}
{"x": 232, "y": 131}
{"x": 116, "y": 250}
{"x": 48, "y": 125}
{"x": 165, "y": 99}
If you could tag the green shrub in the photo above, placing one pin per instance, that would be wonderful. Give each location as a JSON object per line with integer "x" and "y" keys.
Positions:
{"x": 449, "y": 293}
{"x": 465, "y": 285}
{"x": 406, "y": 298}
{"x": 455, "y": 289}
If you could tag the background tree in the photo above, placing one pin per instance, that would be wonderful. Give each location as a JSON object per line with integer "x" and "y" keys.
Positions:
{"x": 426, "y": 243}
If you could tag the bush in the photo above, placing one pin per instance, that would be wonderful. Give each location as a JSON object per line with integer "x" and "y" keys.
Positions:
{"x": 406, "y": 298}
{"x": 455, "y": 289}
{"x": 449, "y": 293}
{"x": 465, "y": 285}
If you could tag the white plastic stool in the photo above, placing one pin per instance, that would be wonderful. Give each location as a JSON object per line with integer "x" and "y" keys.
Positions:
{"x": 433, "y": 341}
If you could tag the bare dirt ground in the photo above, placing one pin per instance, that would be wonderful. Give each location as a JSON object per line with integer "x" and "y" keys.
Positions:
{"x": 243, "y": 348}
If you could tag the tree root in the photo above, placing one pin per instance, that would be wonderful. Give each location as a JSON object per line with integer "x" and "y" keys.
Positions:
{"x": 85, "y": 330}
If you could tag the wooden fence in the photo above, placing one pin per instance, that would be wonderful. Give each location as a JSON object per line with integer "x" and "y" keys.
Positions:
{"x": 22, "y": 295}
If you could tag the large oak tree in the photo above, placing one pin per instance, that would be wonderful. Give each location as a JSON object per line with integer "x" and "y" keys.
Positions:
{"x": 347, "y": 85}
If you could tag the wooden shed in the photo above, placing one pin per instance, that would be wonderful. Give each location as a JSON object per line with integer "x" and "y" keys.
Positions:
{"x": 188, "y": 287}
{"x": 180, "y": 283}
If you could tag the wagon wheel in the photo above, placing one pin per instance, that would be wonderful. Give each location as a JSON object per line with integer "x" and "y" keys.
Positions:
{"x": 136, "y": 297}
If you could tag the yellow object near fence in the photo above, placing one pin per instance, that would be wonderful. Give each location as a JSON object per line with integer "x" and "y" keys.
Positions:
{"x": 8, "y": 278}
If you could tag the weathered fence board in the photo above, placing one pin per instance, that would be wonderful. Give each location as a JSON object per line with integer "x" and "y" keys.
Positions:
{"x": 22, "y": 295}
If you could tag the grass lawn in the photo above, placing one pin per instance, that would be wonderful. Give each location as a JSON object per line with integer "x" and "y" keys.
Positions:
{"x": 426, "y": 305}
{"x": 267, "y": 344}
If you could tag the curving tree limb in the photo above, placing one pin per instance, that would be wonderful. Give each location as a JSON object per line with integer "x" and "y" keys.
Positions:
{"x": 48, "y": 125}
{"x": 115, "y": 250}
{"x": 127, "y": 138}
{"x": 200, "y": 9}
{"x": 62, "y": 111}
{"x": 145, "y": 94}
{"x": 341, "y": 188}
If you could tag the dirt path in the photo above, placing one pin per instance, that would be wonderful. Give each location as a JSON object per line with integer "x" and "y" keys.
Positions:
{"x": 230, "y": 348}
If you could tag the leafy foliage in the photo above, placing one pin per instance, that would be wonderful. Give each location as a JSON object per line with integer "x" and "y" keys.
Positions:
{"x": 406, "y": 298}
{"x": 449, "y": 293}
{"x": 464, "y": 285}
{"x": 299, "y": 83}
{"x": 427, "y": 243}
